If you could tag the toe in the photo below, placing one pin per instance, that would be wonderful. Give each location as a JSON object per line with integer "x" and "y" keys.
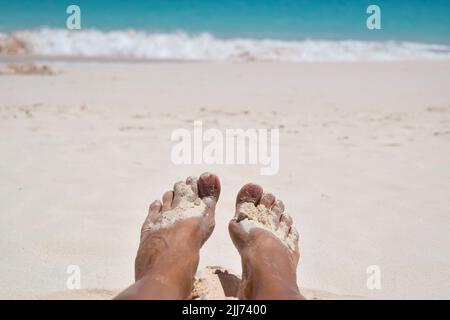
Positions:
{"x": 284, "y": 225}
{"x": 153, "y": 213}
{"x": 278, "y": 207}
{"x": 209, "y": 188}
{"x": 286, "y": 219}
{"x": 192, "y": 182}
{"x": 267, "y": 200}
{"x": 167, "y": 201}
{"x": 249, "y": 193}
{"x": 277, "y": 211}
{"x": 181, "y": 191}
{"x": 178, "y": 192}
{"x": 293, "y": 233}
{"x": 155, "y": 207}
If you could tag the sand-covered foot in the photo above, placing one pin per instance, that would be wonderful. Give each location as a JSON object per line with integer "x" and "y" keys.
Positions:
{"x": 171, "y": 237}
{"x": 178, "y": 227}
{"x": 268, "y": 244}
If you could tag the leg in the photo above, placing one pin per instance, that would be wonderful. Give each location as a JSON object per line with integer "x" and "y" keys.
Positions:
{"x": 171, "y": 238}
{"x": 268, "y": 245}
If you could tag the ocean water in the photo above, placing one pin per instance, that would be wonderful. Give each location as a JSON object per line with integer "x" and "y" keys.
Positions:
{"x": 275, "y": 30}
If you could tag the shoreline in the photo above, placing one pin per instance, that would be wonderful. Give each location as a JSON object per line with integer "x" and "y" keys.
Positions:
{"x": 29, "y": 58}
{"x": 11, "y": 58}
{"x": 80, "y": 60}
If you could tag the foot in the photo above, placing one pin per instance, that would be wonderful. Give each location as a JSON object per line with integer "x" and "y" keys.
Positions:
{"x": 171, "y": 238}
{"x": 268, "y": 245}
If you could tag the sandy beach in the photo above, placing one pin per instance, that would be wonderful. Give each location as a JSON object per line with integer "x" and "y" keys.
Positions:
{"x": 364, "y": 169}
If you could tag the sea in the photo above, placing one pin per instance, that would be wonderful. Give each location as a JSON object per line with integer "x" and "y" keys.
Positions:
{"x": 232, "y": 30}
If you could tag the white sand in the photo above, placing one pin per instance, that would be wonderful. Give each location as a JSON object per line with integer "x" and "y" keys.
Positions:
{"x": 190, "y": 206}
{"x": 364, "y": 169}
{"x": 261, "y": 217}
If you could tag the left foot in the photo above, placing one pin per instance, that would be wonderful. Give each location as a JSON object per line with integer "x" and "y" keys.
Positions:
{"x": 171, "y": 238}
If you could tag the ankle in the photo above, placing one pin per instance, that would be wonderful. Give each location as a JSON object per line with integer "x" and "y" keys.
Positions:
{"x": 177, "y": 266}
{"x": 272, "y": 281}
{"x": 172, "y": 278}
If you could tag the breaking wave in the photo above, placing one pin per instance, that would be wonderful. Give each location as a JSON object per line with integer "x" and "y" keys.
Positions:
{"x": 183, "y": 46}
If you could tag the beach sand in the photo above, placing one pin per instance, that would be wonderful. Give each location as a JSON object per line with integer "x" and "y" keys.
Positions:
{"x": 364, "y": 170}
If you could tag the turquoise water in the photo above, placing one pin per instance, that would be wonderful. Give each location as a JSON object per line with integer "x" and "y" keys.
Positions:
{"x": 412, "y": 20}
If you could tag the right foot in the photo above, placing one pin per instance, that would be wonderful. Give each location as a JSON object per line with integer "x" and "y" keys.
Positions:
{"x": 268, "y": 245}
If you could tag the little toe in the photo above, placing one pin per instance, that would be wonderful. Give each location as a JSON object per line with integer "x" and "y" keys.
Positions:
{"x": 284, "y": 225}
{"x": 153, "y": 213}
{"x": 294, "y": 235}
{"x": 155, "y": 207}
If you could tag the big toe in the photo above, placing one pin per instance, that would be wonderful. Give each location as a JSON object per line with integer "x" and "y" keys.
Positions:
{"x": 249, "y": 193}
{"x": 209, "y": 188}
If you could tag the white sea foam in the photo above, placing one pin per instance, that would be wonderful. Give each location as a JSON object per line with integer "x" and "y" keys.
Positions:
{"x": 204, "y": 46}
